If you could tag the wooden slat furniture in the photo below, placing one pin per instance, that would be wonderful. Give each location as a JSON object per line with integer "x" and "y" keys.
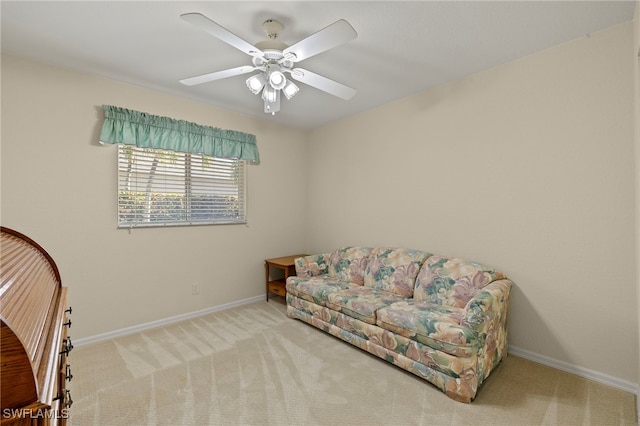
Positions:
{"x": 34, "y": 344}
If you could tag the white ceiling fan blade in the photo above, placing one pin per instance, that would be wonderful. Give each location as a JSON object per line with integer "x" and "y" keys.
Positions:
{"x": 327, "y": 38}
{"x": 222, "y": 33}
{"x": 217, "y": 75}
{"x": 323, "y": 83}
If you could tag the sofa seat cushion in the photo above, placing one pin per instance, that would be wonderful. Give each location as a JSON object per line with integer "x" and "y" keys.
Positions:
{"x": 361, "y": 302}
{"x": 431, "y": 324}
{"x": 316, "y": 289}
{"x": 394, "y": 269}
{"x": 348, "y": 264}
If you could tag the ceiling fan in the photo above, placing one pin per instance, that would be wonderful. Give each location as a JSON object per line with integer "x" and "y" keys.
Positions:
{"x": 274, "y": 59}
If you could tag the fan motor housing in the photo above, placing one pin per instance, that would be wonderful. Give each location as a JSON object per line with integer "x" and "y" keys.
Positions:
{"x": 272, "y": 29}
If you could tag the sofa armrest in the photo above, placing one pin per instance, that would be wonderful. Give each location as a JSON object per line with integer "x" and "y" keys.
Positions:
{"x": 491, "y": 303}
{"x": 311, "y": 266}
{"x": 487, "y": 314}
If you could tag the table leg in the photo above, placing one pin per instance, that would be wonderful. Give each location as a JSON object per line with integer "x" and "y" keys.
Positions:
{"x": 266, "y": 278}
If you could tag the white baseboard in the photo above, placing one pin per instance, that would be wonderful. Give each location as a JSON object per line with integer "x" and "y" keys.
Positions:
{"x": 596, "y": 376}
{"x": 638, "y": 404}
{"x": 162, "y": 322}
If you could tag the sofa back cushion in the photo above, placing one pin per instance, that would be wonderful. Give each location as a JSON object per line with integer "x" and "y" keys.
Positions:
{"x": 394, "y": 269}
{"x": 312, "y": 266}
{"x": 452, "y": 282}
{"x": 348, "y": 264}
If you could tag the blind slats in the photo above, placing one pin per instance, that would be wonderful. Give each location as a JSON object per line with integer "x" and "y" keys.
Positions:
{"x": 162, "y": 188}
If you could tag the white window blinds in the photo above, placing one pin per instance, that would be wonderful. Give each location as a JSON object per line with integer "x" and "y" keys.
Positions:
{"x": 163, "y": 188}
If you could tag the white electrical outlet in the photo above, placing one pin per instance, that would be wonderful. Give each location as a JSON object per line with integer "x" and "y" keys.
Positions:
{"x": 195, "y": 288}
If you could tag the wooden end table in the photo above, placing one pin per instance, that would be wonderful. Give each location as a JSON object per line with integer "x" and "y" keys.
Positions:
{"x": 287, "y": 264}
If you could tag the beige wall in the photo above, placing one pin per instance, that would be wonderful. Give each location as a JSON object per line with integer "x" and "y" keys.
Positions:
{"x": 528, "y": 167}
{"x": 59, "y": 188}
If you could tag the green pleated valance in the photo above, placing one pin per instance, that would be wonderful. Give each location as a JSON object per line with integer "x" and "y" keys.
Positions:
{"x": 151, "y": 131}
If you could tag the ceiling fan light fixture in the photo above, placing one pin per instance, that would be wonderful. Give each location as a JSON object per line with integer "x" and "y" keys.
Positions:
{"x": 269, "y": 94}
{"x": 290, "y": 89}
{"x": 277, "y": 80}
{"x": 255, "y": 83}
{"x": 272, "y": 107}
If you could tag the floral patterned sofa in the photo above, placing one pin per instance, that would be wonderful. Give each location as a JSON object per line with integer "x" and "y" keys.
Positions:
{"x": 444, "y": 320}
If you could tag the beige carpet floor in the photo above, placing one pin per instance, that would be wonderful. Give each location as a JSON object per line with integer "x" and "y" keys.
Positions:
{"x": 251, "y": 365}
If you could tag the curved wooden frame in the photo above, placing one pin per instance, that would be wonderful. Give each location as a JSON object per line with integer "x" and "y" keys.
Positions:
{"x": 33, "y": 334}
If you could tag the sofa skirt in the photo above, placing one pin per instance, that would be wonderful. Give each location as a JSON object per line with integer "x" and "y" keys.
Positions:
{"x": 455, "y": 376}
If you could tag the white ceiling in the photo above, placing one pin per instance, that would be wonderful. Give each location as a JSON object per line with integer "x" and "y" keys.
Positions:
{"x": 402, "y": 47}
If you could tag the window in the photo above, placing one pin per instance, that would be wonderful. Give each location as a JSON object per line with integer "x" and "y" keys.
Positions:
{"x": 163, "y": 188}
